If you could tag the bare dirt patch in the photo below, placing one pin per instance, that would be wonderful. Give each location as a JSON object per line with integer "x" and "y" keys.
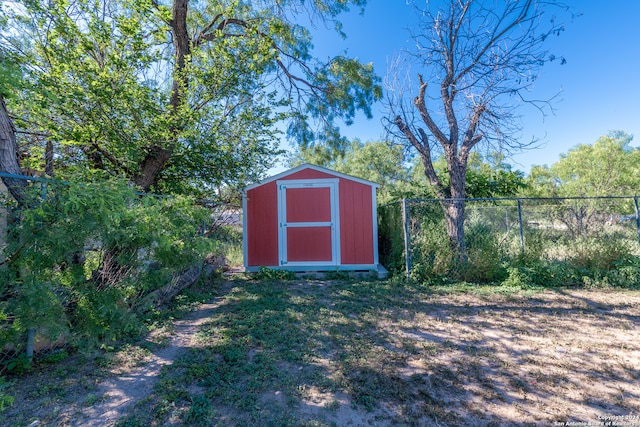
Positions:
{"x": 117, "y": 394}
{"x": 553, "y": 357}
{"x": 98, "y": 392}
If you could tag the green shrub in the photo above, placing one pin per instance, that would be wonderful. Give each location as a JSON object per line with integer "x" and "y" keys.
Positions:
{"x": 5, "y": 398}
{"x": 485, "y": 258}
{"x": 544, "y": 273}
{"x": 535, "y": 246}
{"x": 431, "y": 255}
{"x": 80, "y": 260}
{"x": 625, "y": 277}
{"x": 598, "y": 253}
{"x": 391, "y": 237}
{"x": 517, "y": 278}
{"x": 229, "y": 241}
{"x": 624, "y": 274}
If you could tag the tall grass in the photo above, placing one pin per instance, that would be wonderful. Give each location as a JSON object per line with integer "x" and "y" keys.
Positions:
{"x": 552, "y": 257}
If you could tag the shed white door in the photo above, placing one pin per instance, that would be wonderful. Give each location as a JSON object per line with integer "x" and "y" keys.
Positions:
{"x": 309, "y": 224}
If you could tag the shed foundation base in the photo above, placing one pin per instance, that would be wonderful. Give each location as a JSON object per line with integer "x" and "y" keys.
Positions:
{"x": 359, "y": 271}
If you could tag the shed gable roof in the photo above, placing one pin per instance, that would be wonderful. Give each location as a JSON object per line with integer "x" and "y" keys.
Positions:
{"x": 304, "y": 166}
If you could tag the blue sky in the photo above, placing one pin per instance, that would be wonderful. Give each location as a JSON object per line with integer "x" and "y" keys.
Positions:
{"x": 599, "y": 85}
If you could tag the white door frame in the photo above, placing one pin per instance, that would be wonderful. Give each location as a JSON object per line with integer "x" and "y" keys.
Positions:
{"x": 332, "y": 184}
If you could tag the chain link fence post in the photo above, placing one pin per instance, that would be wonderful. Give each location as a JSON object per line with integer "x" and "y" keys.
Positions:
{"x": 31, "y": 337}
{"x": 521, "y": 227}
{"x": 407, "y": 237}
{"x": 635, "y": 203}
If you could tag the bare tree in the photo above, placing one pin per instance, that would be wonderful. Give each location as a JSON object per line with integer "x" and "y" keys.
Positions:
{"x": 483, "y": 57}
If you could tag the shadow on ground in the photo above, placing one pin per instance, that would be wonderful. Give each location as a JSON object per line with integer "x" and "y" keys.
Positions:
{"x": 381, "y": 353}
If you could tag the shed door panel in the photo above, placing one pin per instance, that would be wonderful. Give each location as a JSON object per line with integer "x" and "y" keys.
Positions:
{"x": 308, "y": 223}
{"x": 309, "y": 244}
{"x": 308, "y": 204}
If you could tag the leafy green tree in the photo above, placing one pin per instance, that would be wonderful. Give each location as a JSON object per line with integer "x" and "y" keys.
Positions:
{"x": 376, "y": 161}
{"x": 540, "y": 182}
{"x": 181, "y": 96}
{"x": 490, "y": 176}
{"x": 387, "y": 164}
{"x": 482, "y": 59}
{"x": 608, "y": 167}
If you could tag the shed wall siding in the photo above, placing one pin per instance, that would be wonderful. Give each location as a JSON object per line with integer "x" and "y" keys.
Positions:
{"x": 309, "y": 174}
{"x": 262, "y": 226}
{"x": 356, "y": 223}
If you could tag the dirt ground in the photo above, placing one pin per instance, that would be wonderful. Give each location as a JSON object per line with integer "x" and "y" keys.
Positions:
{"x": 563, "y": 357}
{"x": 552, "y": 358}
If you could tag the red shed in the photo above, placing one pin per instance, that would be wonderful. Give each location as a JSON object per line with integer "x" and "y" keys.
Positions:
{"x": 311, "y": 218}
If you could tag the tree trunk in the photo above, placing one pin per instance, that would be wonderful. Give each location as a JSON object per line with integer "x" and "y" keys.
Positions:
{"x": 9, "y": 156}
{"x": 182, "y": 45}
{"x": 48, "y": 159}
{"x": 454, "y": 209}
{"x": 454, "y": 218}
{"x": 180, "y": 281}
{"x": 150, "y": 168}
{"x": 158, "y": 156}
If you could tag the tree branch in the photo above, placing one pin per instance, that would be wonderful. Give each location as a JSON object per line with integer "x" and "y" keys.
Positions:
{"x": 421, "y": 105}
{"x": 157, "y": 6}
{"x": 205, "y": 36}
{"x": 424, "y": 149}
{"x": 497, "y": 35}
{"x": 470, "y": 137}
{"x": 112, "y": 159}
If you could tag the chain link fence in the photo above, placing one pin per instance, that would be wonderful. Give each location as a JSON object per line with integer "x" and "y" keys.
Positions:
{"x": 413, "y": 231}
